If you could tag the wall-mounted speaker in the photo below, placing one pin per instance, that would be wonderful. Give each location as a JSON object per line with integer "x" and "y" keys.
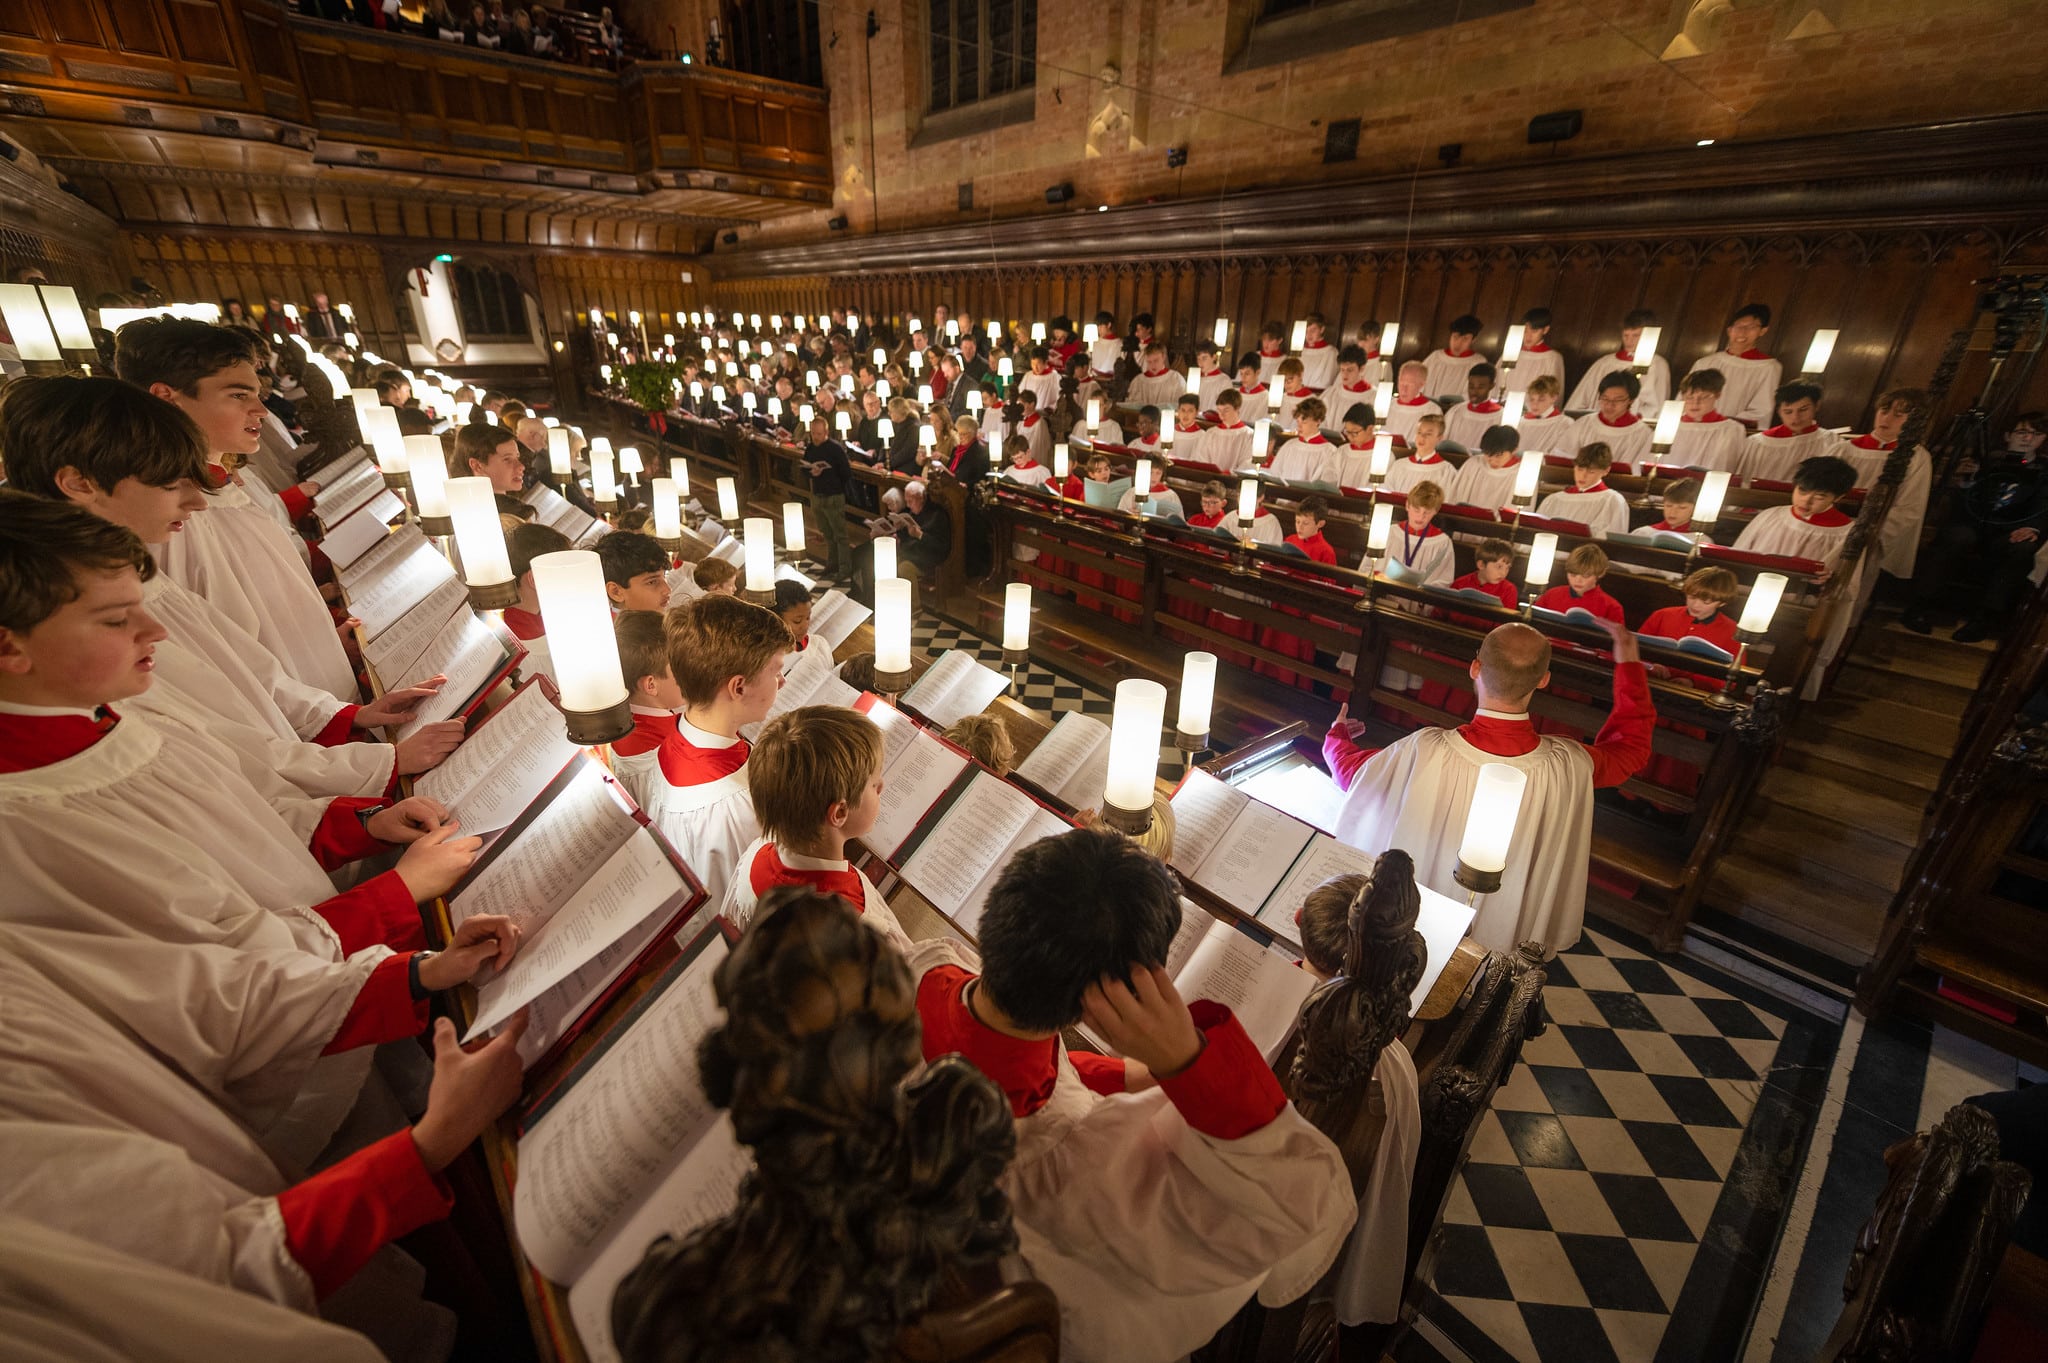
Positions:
{"x": 1562, "y": 126}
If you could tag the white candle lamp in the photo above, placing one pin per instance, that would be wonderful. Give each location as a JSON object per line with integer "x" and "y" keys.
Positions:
{"x": 1646, "y": 350}
{"x": 67, "y": 318}
{"x": 885, "y": 429}
{"x": 759, "y": 539}
{"x": 364, "y": 400}
{"x": 843, "y": 420}
{"x": 480, "y": 544}
{"x": 1490, "y": 828}
{"x": 1390, "y": 336}
{"x": 604, "y": 480}
{"x": 1038, "y": 333}
{"x": 924, "y": 395}
{"x": 1511, "y": 348}
{"x": 995, "y": 332}
{"x": 885, "y": 557}
{"x": 1094, "y": 416}
{"x": 1713, "y": 494}
{"x": 882, "y": 389}
{"x": 1528, "y": 473}
{"x": 1005, "y": 370}
{"x": 1512, "y": 407}
{"x": 1262, "y": 440}
{"x": 1762, "y": 606}
{"x": 1221, "y": 335}
{"x": 1247, "y": 505}
{"x": 952, "y": 328}
{"x": 1133, "y": 755}
{"x": 1017, "y": 623}
{"x": 1194, "y": 381}
{"x": 1090, "y": 334}
{"x": 387, "y": 444}
{"x": 668, "y": 513}
{"x": 1197, "y": 703}
{"x": 1299, "y": 338}
{"x": 974, "y": 400}
{"x": 578, "y": 618}
{"x": 1141, "y": 481}
{"x": 1382, "y": 457}
{"x": 1383, "y": 398}
{"x": 1380, "y": 531}
{"x": 1818, "y": 354}
{"x": 728, "y": 501}
{"x": 793, "y": 529}
{"x": 1542, "y": 559}
{"x": 429, "y": 477}
{"x": 631, "y": 465}
{"x": 892, "y": 636}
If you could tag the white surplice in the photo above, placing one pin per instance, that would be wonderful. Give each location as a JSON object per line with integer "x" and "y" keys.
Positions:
{"x": 709, "y": 823}
{"x": 1414, "y": 795}
{"x": 1604, "y": 512}
{"x": 1656, "y": 385}
{"x": 1899, "y": 540}
{"x": 1627, "y": 444}
{"x": 1375, "y": 1264}
{"x": 1404, "y": 474}
{"x": 1708, "y": 445}
{"x": 1752, "y": 391}
{"x": 1478, "y": 485}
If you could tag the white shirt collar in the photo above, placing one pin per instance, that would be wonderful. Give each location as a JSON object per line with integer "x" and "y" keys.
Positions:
{"x": 653, "y": 710}
{"x": 1522, "y": 718}
{"x": 698, "y": 737}
{"x": 797, "y": 861}
{"x": 8, "y": 707}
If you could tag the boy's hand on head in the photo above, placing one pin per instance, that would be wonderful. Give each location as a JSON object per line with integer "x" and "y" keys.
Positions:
{"x": 434, "y": 861}
{"x": 429, "y": 747}
{"x": 470, "y": 1088}
{"x": 396, "y": 707}
{"x": 1145, "y": 1021}
{"x": 483, "y": 940}
{"x": 407, "y": 820}
{"x": 1625, "y": 647}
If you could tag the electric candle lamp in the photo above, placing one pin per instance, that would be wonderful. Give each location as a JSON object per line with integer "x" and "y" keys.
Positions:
{"x": 916, "y": 362}
{"x": 1141, "y": 481}
{"x": 668, "y": 341}
{"x": 679, "y": 472}
{"x": 1005, "y": 369}
{"x": 551, "y": 422}
{"x": 1713, "y": 492}
{"x": 347, "y": 312}
{"x": 885, "y": 429}
{"x": 916, "y": 325}
{"x": 792, "y": 528}
{"x": 668, "y": 513}
{"x": 1016, "y": 623}
{"x": 605, "y": 371}
{"x": 1194, "y": 381}
{"x": 429, "y": 477}
{"x": 1511, "y": 409}
{"x": 1061, "y": 460}
{"x": 61, "y": 302}
{"x": 1094, "y": 416}
{"x": 881, "y": 357}
{"x": 601, "y": 445}
{"x": 811, "y": 380}
{"x": 1383, "y": 398}
{"x": 1542, "y": 558}
{"x": 348, "y": 338}
{"x": 1380, "y": 530}
{"x": 892, "y": 635}
{"x": 463, "y": 412}
{"x": 630, "y": 465}
{"x": 611, "y": 338}
{"x": 885, "y": 557}
{"x": 853, "y": 321}
{"x": 798, "y": 321}
{"x": 1197, "y": 701}
{"x": 974, "y": 400}
{"x": 1511, "y": 346}
{"x": 739, "y": 319}
{"x": 1090, "y": 333}
{"x": 1299, "y": 338}
{"x": 1221, "y": 335}
{"x": 1262, "y": 435}
{"x": 774, "y": 408}
{"x": 718, "y": 394}
{"x": 952, "y": 329}
{"x": 759, "y": 539}
{"x": 291, "y": 310}
{"x": 748, "y": 403}
{"x": 604, "y": 481}
{"x": 927, "y": 439}
{"x": 1166, "y": 437}
{"x": 995, "y": 332}
{"x": 1490, "y": 827}
{"x": 480, "y": 544}
{"x": 1382, "y": 455}
{"x": 1762, "y": 607}
{"x": 1817, "y": 354}
{"x": 844, "y": 421}
{"x": 1646, "y": 348}
{"x": 924, "y": 395}
{"x": 364, "y": 400}
{"x": 704, "y": 344}
{"x": 578, "y": 617}
{"x": 1133, "y": 755}
{"x": 380, "y": 432}
{"x": 804, "y": 413}
{"x": 1390, "y": 336}
{"x": 1527, "y": 473}
{"x": 754, "y": 372}
{"x": 755, "y": 321}
{"x": 882, "y": 389}
{"x": 490, "y": 417}
{"x": 634, "y": 318}
{"x": 775, "y": 321}
{"x": 1667, "y": 424}
{"x": 1247, "y": 505}
{"x": 1038, "y": 333}
{"x": 846, "y": 385}
{"x": 728, "y": 501}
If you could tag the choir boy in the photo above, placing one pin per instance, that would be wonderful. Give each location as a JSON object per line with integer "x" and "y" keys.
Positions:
{"x": 1753, "y": 376}
{"x": 1899, "y": 541}
{"x": 1487, "y": 479}
{"x": 1309, "y": 457}
{"x": 1583, "y": 569}
{"x": 1023, "y": 467}
{"x": 793, "y": 608}
{"x": 1810, "y": 527}
{"x": 1264, "y": 529}
{"x": 1319, "y": 359}
{"x": 1422, "y": 462}
{"x": 1544, "y": 428}
{"x": 1446, "y": 369}
{"x": 483, "y": 450}
{"x": 1589, "y": 500}
{"x": 655, "y": 699}
{"x": 1421, "y": 548}
{"x": 726, "y": 657}
{"x": 1771, "y": 455}
{"x": 1411, "y": 403}
{"x": 816, "y": 775}
{"x": 1354, "y": 456}
{"x": 1228, "y": 444}
{"x": 1188, "y": 431}
{"x": 636, "y": 571}
{"x": 1537, "y": 360}
{"x": 1042, "y": 382}
{"x": 1492, "y": 562}
{"x": 1157, "y": 500}
{"x": 1704, "y": 614}
{"x": 1706, "y": 438}
{"x": 1467, "y": 421}
{"x": 1351, "y": 386}
{"x": 1146, "y": 442}
{"x": 1309, "y": 519}
{"x": 1272, "y": 349}
{"x": 1214, "y": 379}
{"x": 1107, "y": 350}
{"x": 1287, "y": 391}
{"x": 1678, "y": 501}
{"x": 1614, "y": 423}
{"x": 1155, "y": 385}
{"x": 235, "y": 554}
{"x": 1215, "y": 501}
{"x": 1655, "y": 380}
{"x": 525, "y": 544}
{"x": 1033, "y": 426}
{"x": 715, "y": 577}
{"x": 1254, "y": 398}
{"x": 1158, "y": 1193}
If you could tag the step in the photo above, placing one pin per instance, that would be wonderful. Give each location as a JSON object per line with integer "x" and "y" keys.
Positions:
{"x": 1843, "y": 922}
{"x": 1910, "y": 655}
{"x": 1840, "y": 759}
{"x": 1886, "y": 721}
{"x": 1863, "y": 809}
{"x": 1935, "y": 645}
{"x": 1868, "y": 680}
{"x": 1796, "y": 841}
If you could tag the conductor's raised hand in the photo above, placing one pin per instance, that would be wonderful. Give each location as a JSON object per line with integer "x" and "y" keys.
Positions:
{"x": 1625, "y": 646}
{"x": 1344, "y": 724}
{"x": 428, "y": 746}
{"x": 470, "y": 1089}
{"x": 396, "y": 707}
{"x": 1145, "y": 1020}
{"x": 482, "y": 940}
{"x": 435, "y": 861}
{"x": 407, "y": 820}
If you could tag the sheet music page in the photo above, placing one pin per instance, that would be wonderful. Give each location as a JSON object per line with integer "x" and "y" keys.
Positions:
{"x": 1443, "y": 924}
{"x": 731, "y": 551}
{"x": 1072, "y": 761}
{"x": 1325, "y": 857}
{"x": 596, "y": 531}
{"x": 802, "y": 684}
{"x": 530, "y": 879}
{"x": 503, "y": 766}
{"x": 550, "y": 1016}
{"x": 898, "y": 729}
{"x": 394, "y": 547}
{"x": 467, "y": 653}
{"x": 334, "y": 469}
{"x": 973, "y": 839}
{"x": 1039, "y": 823}
{"x": 1195, "y": 922}
{"x": 1247, "y": 862}
{"x": 1302, "y": 789}
{"x": 361, "y": 530}
{"x": 914, "y": 776}
{"x": 380, "y": 602}
{"x": 629, "y": 888}
{"x": 1264, "y": 988}
{"x": 339, "y": 498}
{"x": 394, "y": 652}
{"x": 956, "y": 686}
{"x": 1202, "y": 810}
{"x": 628, "y": 1119}
{"x": 835, "y": 618}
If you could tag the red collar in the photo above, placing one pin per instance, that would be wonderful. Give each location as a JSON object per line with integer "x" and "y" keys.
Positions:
{"x": 1629, "y": 420}
{"x": 1432, "y": 458}
{"x": 769, "y": 870}
{"x": 1869, "y": 442}
{"x": 1232, "y": 426}
{"x": 1029, "y": 463}
{"x": 686, "y": 764}
{"x": 1024, "y": 1070}
{"x": 1315, "y": 345}
{"x": 1538, "y": 349}
{"x": 1271, "y": 354}
{"x": 1784, "y": 432}
{"x": 1186, "y": 430}
{"x": 1484, "y": 407}
{"x": 1750, "y": 355}
{"x": 1674, "y": 529}
{"x": 1600, "y": 486}
{"x": 1709, "y": 418}
{"x": 1431, "y": 531}
{"x": 649, "y": 731}
{"x": 1212, "y": 373}
{"x": 1826, "y": 520}
{"x": 1418, "y": 400}
{"x": 524, "y": 624}
{"x": 1316, "y": 439}
{"x": 1360, "y": 387}
{"x": 28, "y": 742}
{"x": 1625, "y": 356}
{"x": 1458, "y": 354}
{"x": 1254, "y": 388}
{"x": 1155, "y": 373}
{"x": 1204, "y": 521}
{"x": 1032, "y": 419}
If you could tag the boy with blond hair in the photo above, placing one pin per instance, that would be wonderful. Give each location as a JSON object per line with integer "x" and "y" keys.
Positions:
{"x": 1421, "y": 548}
{"x": 816, "y": 775}
{"x": 1704, "y": 614}
{"x": 1583, "y": 569}
{"x": 1544, "y": 424}
{"x": 652, "y": 694}
{"x": 1411, "y": 402}
{"x": 725, "y": 656}
{"x": 1422, "y": 462}
{"x": 1492, "y": 562}
{"x": 1589, "y": 500}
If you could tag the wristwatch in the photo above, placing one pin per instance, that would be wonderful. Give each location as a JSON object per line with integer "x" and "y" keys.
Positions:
{"x": 412, "y": 973}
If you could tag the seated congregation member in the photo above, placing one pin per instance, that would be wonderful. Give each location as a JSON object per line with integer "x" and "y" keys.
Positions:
{"x": 1899, "y": 540}
{"x": 1810, "y": 527}
{"x": 1706, "y": 438}
{"x": 726, "y": 657}
{"x": 1350, "y": 386}
{"x": 1152, "y": 1226}
{"x": 1445, "y": 369}
{"x": 1307, "y": 457}
{"x": 1614, "y": 423}
{"x": 1467, "y": 421}
{"x": 1583, "y": 569}
{"x": 128, "y": 458}
{"x": 1538, "y": 359}
{"x": 1487, "y": 479}
{"x": 1411, "y": 402}
{"x": 522, "y": 546}
{"x": 1772, "y": 454}
{"x": 636, "y": 570}
{"x": 816, "y": 778}
{"x": 1415, "y": 793}
{"x": 1421, "y": 548}
{"x": 1544, "y": 426}
{"x": 1422, "y": 463}
{"x": 1155, "y": 384}
{"x": 234, "y": 553}
{"x": 1589, "y": 500}
{"x": 1655, "y": 381}
{"x": 1319, "y": 358}
{"x": 1753, "y": 376}
{"x": 655, "y": 701}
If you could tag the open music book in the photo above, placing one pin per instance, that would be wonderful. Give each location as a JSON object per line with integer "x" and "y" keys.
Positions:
{"x": 1691, "y": 643}
{"x": 577, "y": 871}
{"x": 1661, "y": 539}
{"x": 958, "y": 852}
{"x": 917, "y": 768}
{"x": 362, "y": 529}
{"x": 357, "y": 486}
{"x": 627, "y": 1148}
{"x": 396, "y": 649}
{"x": 557, "y": 512}
{"x": 1300, "y": 788}
{"x": 1211, "y": 958}
{"x": 380, "y": 556}
{"x": 504, "y": 764}
{"x": 469, "y": 655}
{"x": 339, "y": 467}
{"x": 1576, "y": 615}
{"x": 380, "y": 599}
{"x": 956, "y": 686}
{"x": 1072, "y": 762}
{"x": 834, "y": 617}
{"x": 810, "y": 679}
{"x": 1104, "y": 496}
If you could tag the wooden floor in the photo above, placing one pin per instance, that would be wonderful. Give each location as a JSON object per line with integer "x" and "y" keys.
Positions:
{"x": 1824, "y": 845}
